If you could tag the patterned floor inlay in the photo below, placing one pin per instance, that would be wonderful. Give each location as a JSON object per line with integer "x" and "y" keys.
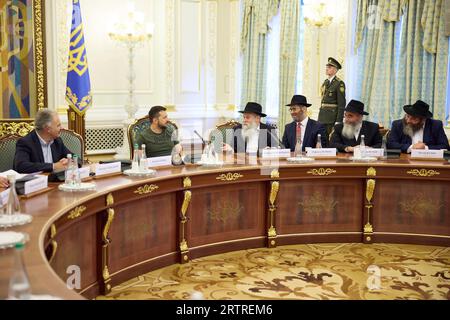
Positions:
{"x": 319, "y": 271}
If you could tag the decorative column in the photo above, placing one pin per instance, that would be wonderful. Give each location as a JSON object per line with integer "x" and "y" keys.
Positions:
{"x": 274, "y": 188}
{"x": 370, "y": 189}
{"x": 187, "y": 195}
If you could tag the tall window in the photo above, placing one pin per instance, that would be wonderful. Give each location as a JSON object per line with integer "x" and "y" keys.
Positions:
{"x": 273, "y": 72}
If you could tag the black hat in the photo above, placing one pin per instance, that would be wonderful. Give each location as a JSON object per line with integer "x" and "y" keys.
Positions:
{"x": 334, "y": 63}
{"x": 419, "y": 109}
{"x": 253, "y": 107}
{"x": 299, "y": 100}
{"x": 356, "y": 106}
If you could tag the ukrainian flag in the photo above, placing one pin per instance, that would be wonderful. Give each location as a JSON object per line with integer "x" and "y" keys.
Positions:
{"x": 78, "y": 89}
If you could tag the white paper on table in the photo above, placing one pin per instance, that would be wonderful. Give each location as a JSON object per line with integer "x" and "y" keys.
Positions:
{"x": 275, "y": 153}
{"x": 368, "y": 152}
{"x": 12, "y": 172}
{"x": 159, "y": 161}
{"x": 108, "y": 168}
{"x": 40, "y": 183}
{"x": 321, "y": 152}
{"x": 84, "y": 172}
{"x": 427, "y": 154}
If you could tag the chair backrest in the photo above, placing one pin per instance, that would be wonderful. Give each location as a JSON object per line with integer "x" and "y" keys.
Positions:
{"x": 74, "y": 142}
{"x": 226, "y": 130}
{"x": 7, "y": 151}
{"x": 139, "y": 125}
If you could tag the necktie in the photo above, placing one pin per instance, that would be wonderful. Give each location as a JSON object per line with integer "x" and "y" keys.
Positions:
{"x": 299, "y": 132}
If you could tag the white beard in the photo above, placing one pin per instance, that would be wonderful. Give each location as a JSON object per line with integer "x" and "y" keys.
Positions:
{"x": 348, "y": 131}
{"x": 249, "y": 130}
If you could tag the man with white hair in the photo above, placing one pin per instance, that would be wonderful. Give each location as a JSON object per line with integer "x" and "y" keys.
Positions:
{"x": 253, "y": 135}
{"x": 42, "y": 149}
{"x": 347, "y": 136}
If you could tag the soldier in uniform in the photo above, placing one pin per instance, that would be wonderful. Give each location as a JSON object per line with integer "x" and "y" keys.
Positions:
{"x": 333, "y": 97}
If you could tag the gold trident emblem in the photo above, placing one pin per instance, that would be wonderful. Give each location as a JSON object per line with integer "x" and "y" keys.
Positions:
{"x": 77, "y": 56}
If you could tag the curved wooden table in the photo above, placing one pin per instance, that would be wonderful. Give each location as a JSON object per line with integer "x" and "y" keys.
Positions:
{"x": 130, "y": 226}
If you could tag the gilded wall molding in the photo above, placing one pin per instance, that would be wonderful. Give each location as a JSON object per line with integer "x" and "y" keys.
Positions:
{"x": 53, "y": 243}
{"x": 423, "y": 173}
{"x": 147, "y": 189}
{"x": 40, "y": 53}
{"x": 229, "y": 177}
{"x": 76, "y": 213}
{"x": 321, "y": 172}
{"x": 184, "y": 248}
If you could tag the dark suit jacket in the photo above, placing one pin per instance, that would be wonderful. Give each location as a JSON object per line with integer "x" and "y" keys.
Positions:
{"x": 267, "y": 138}
{"x": 313, "y": 128}
{"x": 433, "y": 136}
{"x": 29, "y": 157}
{"x": 370, "y": 130}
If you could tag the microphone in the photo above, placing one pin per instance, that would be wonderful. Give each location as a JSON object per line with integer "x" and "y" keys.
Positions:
{"x": 276, "y": 138}
{"x": 201, "y": 138}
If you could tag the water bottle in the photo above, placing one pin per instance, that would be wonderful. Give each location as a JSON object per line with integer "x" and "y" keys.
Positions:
{"x": 205, "y": 155}
{"x": 13, "y": 204}
{"x": 143, "y": 160}
{"x": 362, "y": 147}
{"x": 298, "y": 149}
{"x": 69, "y": 174}
{"x": 76, "y": 180}
{"x": 135, "y": 163}
{"x": 19, "y": 284}
{"x": 319, "y": 141}
{"x": 212, "y": 156}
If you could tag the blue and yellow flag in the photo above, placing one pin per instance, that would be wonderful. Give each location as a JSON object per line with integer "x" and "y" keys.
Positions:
{"x": 78, "y": 91}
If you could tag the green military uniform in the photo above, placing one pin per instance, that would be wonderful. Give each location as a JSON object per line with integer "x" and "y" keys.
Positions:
{"x": 333, "y": 100}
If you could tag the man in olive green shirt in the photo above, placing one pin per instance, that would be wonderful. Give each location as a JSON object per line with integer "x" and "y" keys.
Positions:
{"x": 333, "y": 97}
{"x": 161, "y": 138}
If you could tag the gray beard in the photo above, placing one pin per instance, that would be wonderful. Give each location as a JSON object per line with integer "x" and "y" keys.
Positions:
{"x": 348, "y": 131}
{"x": 408, "y": 130}
{"x": 248, "y": 131}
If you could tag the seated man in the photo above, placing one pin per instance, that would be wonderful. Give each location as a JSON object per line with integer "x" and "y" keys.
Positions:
{"x": 42, "y": 149}
{"x": 161, "y": 137}
{"x": 347, "y": 135}
{"x": 252, "y": 136}
{"x": 4, "y": 183}
{"x": 417, "y": 130}
{"x": 302, "y": 128}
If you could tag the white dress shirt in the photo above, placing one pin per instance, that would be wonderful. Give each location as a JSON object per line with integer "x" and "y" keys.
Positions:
{"x": 303, "y": 125}
{"x": 46, "y": 149}
{"x": 357, "y": 131}
{"x": 253, "y": 142}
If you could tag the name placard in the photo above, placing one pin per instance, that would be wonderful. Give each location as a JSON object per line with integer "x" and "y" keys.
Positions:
{"x": 159, "y": 161}
{"x": 322, "y": 152}
{"x": 107, "y": 168}
{"x": 84, "y": 172}
{"x": 4, "y": 197}
{"x": 36, "y": 184}
{"x": 369, "y": 152}
{"x": 275, "y": 153}
{"x": 427, "y": 154}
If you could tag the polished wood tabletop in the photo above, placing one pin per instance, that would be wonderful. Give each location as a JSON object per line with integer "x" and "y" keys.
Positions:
{"x": 80, "y": 227}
